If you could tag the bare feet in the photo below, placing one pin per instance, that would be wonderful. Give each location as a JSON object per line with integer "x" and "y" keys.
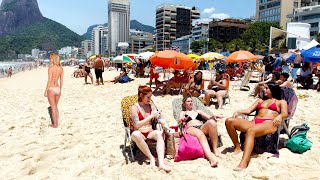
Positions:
{"x": 239, "y": 168}
{"x": 237, "y": 150}
{"x": 54, "y": 126}
{"x": 152, "y": 163}
{"x": 163, "y": 167}
{"x": 213, "y": 161}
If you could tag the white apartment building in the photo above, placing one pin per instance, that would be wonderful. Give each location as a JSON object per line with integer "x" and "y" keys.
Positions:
{"x": 35, "y": 53}
{"x": 99, "y": 38}
{"x": 86, "y": 48}
{"x": 118, "y": 23}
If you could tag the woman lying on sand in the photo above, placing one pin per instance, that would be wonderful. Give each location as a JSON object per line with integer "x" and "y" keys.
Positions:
{"x": 142, "y": 115}
{"x": 270, "y": 113}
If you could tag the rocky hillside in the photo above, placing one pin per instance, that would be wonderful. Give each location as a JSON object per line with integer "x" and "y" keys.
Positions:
{"x": 17, "y": 14}
{"x": 22, "y": 28}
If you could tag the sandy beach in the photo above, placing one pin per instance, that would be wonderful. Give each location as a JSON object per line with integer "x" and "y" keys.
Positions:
{"x": 88, "y": 141}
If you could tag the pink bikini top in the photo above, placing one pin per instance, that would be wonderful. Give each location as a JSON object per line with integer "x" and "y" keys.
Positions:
{"x": 272, "y": 106}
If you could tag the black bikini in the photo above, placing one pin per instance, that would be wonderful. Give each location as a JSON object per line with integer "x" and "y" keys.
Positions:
{"x": 199, "y": 117}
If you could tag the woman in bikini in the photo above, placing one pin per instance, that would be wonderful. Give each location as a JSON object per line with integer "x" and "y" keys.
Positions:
{"x": 194, "y": 86}
{"x": 199, "y": 124}
{"x": 142, "y": 115}
{"x": 53, "y": 89}
{"x": 270, "y": 113}
{"x": 217, "y": 88}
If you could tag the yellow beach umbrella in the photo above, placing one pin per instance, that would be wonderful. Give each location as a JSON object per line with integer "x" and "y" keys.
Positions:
{"x": 92, "y": 57}
{"x": 210, "y": 56}
{"x": 193, "y": 56}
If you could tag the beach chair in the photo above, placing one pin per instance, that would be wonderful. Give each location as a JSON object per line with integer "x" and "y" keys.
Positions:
{"x": 198, "y": 105}
{"x": 269, "y": 143}
{"x": 126, "y": 103}
{"x": 244, "y": 82}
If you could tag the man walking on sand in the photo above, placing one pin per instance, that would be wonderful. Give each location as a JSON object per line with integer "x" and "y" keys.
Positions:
{"x": 98, "y": 69}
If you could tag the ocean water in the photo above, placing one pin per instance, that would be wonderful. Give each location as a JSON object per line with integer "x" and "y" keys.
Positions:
{"x": 16, "y": 67}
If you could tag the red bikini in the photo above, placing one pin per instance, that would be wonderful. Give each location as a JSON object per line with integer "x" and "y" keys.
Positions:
{"x": 272, "y": 107}
{"x": 141, "y": 117}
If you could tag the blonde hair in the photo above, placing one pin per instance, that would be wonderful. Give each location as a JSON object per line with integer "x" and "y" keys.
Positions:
{"x": 56, "y": 59}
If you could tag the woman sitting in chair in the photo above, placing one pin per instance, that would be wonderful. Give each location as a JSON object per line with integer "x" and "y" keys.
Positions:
{"x": 270, "y": 113}
{"x": 217, "y": 88}
{"x": 194, "y": 87}
{"x": 199, "y": 124}
{"x": 175, "y": 81}
{"x": 142, "y": 115}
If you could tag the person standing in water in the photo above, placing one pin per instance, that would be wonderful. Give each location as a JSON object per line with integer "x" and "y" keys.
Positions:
{"x": 53, "y": 89}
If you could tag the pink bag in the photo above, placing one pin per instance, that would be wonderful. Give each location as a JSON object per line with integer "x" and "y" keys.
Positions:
{"x": 189, "y": 148}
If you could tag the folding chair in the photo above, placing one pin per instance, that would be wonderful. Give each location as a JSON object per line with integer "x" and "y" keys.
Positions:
{"x": 244, "y": 82}
{"x": 126, "y": 103}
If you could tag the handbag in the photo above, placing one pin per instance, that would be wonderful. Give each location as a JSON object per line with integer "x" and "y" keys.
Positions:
{"x": 298, "y": 142}
{"x": 189, "y": 148}
{"x": 172, "y": 143}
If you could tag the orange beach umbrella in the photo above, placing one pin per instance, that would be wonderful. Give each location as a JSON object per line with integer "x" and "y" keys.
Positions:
{"x": 241, "y": 56}
{"x": 172, "y": 59}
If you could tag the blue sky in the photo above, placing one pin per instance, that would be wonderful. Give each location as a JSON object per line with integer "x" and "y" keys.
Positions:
{"x": 78, "y": 15}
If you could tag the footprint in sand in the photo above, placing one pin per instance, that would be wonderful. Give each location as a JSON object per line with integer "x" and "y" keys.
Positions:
{"x": 43, "y": 125}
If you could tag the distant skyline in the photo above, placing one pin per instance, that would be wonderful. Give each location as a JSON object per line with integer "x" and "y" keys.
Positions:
{"x": 78, "y": 15}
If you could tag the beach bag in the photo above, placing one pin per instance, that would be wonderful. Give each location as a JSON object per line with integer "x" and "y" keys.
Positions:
{"x": 172, "y": 143}
{"x": 189, "y": 148}
{"x": 124, "y": 79}
{"x": 298, "y": 142}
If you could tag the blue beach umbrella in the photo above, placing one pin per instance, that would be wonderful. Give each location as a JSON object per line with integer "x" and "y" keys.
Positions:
{"x": 291, "y": 58}
{"x": 312, "y": 54}
{"x": 225, "y": 54}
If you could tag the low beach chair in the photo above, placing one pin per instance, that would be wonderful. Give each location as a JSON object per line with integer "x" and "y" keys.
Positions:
{"x": 126, "y": 103}
{"x": 269, "y": 143}
{"x": 198, "y": 105}
{"x": 244, "y": 82}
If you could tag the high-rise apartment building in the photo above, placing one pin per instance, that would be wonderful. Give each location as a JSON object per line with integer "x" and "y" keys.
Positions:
{"x": 172, "y": 22}
{"x": 119, "y": 24}
{"x": 226, "y": 30}
{"x": 86, "y": 46}
{"x": 139, "y": 41}
{"x": 99, "y": 37}
{"x": 277, "y": 10}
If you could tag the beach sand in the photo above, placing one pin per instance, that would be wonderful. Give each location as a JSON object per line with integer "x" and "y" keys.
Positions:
{"x": 87, "y": 144}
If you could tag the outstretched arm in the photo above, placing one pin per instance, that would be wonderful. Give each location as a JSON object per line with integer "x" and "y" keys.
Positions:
{"x": 248, "y": 111}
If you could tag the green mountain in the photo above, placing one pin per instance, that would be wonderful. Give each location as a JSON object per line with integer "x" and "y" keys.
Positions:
{"x": 134, "y": 24}
{"x": 46, "y": 35}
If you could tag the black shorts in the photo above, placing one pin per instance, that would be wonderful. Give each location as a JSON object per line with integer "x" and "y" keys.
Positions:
{"x": 98, "y": 73}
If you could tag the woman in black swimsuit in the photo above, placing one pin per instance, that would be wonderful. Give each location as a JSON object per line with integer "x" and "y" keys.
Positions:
{"x": 87, "y": 73}
{"x": 199, "y": 124}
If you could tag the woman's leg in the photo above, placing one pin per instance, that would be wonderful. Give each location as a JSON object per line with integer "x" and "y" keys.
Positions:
{"x": 210, "y": 128}
{"x": 139, "y": 139}
{"x": 53, "y": 104}
{"x": 204, "y": 143}
{"x": 157, "y": 135}
{"x": 220, "y": 95}
{"x": 85, "y": 78}
{"x": 208, "y": 95}
{"x": 253, "y": 132}
{"x": 233, "y": 124}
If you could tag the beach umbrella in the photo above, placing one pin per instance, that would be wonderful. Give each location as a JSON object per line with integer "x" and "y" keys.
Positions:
{"x": 210, "y": 56}
{"x": 225, "y": 54}
{"x": 122, "y": 59}
{"x": 145, "y": 55}
{"x": 132, "y": 56}
{"x": 92, "y": 57}
{"x": 172, "y": 59}
{"x": 312, "y": 54}
{"x": 193, "y": 56}
{"x": 81, "y": 60}
{"x": 241, "y": 56}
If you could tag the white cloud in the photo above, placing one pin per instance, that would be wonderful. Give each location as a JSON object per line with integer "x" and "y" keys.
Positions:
{"x": 209, "y": 10}
{"x": 220, "y": 16}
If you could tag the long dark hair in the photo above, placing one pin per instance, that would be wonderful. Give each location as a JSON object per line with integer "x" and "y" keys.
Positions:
{"x": 198, "y": 81}
{"x": 275, "y": 90}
